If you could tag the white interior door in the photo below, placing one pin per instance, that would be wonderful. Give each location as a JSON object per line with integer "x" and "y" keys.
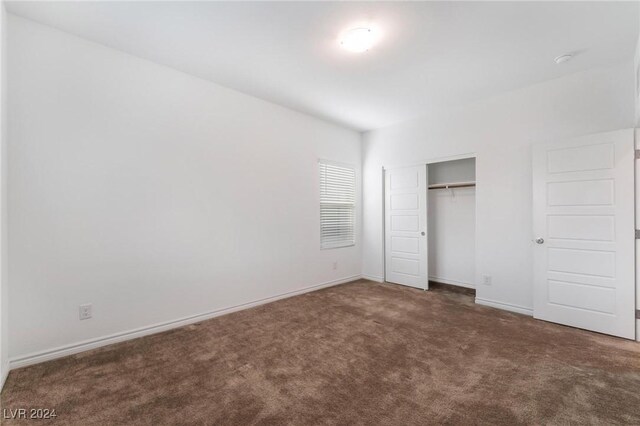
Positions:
{"x": 406, "y": 260}
{"x": 583, "y": 213}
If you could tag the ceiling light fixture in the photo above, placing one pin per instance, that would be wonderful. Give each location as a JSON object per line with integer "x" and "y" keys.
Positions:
{"x": 358, "y": 39}
{"x": 563, "y": 58}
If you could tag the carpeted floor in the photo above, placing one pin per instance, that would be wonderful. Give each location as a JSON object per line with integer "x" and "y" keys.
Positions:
{"x": 359, "y": 353}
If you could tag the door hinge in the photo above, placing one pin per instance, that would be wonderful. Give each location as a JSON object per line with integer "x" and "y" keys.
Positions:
{"x": 637, "y": 234}
{"x": 637, "y": 313}
{"x": 637, "y": 154}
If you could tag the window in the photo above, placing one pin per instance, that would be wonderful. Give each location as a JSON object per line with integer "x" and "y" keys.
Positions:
{"x": 337, "y": 205}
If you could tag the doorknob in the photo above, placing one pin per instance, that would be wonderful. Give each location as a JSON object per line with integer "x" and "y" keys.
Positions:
{"x": 539, "y": 240}
{"x": 423, "y": 233}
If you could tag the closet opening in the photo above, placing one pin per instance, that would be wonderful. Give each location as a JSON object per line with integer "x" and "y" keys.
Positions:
{"x": 451, "y": 225}
{"x": 430, "y": 224}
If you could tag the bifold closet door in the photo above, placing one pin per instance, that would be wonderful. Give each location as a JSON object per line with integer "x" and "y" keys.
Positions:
{"x": 406, "y": 260}
{"x": 583, "y": 212}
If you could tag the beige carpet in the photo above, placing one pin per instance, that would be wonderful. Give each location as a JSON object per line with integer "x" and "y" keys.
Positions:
{"x": 359, "y": 353}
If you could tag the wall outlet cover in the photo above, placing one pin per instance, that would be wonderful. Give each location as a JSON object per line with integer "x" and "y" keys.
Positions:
{"x": 85, "y": 311}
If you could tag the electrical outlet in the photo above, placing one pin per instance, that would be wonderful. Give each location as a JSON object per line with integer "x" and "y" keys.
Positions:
{"x": 86, "y": 311}
{"x": 335, "y": 265}
{"x": 486, "y": 279}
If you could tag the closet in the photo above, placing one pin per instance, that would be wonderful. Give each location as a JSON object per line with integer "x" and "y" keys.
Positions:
{"x": 451, "y": 222}
{"x": 430, "y": 220}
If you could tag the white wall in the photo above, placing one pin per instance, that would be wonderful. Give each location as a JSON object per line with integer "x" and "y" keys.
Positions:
{"x": 4, "y": 287}
{"x": 152, "y": 194}
{"x": 452, "y": 224}
{"x": 500, "y": 131}
{"x": 637, "y": 219}
{"x": 463, "y": 170}
{"x": 451, "y": 236}
{"x": 636, "y": 94}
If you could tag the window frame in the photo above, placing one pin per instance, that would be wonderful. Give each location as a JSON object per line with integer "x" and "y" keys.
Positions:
{"x": 353, "y": 205}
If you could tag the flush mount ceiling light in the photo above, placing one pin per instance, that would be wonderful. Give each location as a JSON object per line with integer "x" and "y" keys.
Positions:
{"x": 358, "y": 39}
{"x": 563, "y": 58}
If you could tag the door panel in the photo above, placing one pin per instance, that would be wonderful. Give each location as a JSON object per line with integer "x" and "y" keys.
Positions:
{"x": 583, "y": 209}
{"x": 405, "y": 244}
{"x": 582, "y": 158}
{"x": 405, "y": 222}
{"x": 582, "y": 296}
{"x": 574, "y": 227}
{"x": 581, "y": 193}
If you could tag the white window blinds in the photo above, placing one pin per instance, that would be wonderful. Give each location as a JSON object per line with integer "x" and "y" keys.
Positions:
{"x": 337, "y": 205}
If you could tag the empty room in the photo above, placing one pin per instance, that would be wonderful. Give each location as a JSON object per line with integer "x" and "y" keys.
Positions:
{"x": 319, "y": 213}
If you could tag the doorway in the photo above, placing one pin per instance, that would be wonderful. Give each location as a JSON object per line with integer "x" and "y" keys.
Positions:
{"x": 451, "y": 222}
{"x": 430, "y": 223}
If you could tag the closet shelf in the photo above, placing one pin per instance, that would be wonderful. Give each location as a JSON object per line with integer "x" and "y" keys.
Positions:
{"x": 451, "y": 185}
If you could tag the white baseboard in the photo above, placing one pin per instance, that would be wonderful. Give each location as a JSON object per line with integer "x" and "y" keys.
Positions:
{"x": 505, "y": 306}
{"x": 373, "y": 278}
{"x": 5, "y": 374}
{"x": 452, "y": 282}
{"x": 66, "y": 350}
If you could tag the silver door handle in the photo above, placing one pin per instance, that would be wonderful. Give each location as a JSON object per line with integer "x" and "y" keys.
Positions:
{"x": 423, "y": 233}
{"x": 539, "y": 240}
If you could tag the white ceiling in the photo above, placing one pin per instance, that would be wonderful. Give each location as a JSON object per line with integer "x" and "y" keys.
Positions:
{"x": 431, "y": 54}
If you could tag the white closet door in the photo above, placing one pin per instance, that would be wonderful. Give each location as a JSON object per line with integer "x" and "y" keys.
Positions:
{"x": 583, "y": 201}
{"x": 406, "y": 260}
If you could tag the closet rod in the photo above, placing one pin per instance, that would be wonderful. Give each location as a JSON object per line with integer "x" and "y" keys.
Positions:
{"x": 451, "y": 185}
